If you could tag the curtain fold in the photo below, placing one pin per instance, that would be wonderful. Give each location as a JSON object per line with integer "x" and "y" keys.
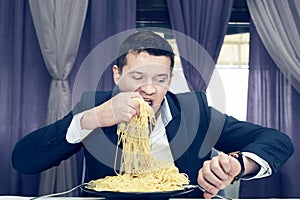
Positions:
{"x": 205, "y": 22}
{"x": 104, "y": 19}
{"x": 272, "y": 102}
{"x": 58, "y": 24}
{"x": 278, "y": 25}
{"x": 23, "y": 101}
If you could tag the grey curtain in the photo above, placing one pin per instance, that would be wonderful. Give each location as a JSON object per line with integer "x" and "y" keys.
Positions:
{"x": 58, "y": 24}
{"x": 272, "y": 102}
{"x": 205, "y": 22}
{"x": 278, "y": 25}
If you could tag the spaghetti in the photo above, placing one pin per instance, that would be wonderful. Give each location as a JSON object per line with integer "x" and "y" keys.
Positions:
{"x": 134, "y": 137}
{"x": 139, "y": 172}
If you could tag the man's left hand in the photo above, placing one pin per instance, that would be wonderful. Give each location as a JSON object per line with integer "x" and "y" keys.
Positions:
{"x": 218, "y": 173}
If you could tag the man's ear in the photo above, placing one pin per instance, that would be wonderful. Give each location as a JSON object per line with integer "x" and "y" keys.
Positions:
{"x": 117, "y": 74}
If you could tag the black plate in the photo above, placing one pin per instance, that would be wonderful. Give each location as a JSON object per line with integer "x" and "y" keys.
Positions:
{"x": 137, "y": 195}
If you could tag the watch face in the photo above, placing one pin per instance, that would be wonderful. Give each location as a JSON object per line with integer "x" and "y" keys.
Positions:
{"x": 235, "y": 154}
{"x": 239, "y": 156}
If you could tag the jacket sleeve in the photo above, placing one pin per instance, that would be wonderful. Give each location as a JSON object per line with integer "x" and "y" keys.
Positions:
{"x": 47, "y": 147}
{"x": 44, "y": 148}
{"x": 270, "y": 144}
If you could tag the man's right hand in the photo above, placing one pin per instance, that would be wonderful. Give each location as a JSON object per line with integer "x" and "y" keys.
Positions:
{"x": 120, "y": 108}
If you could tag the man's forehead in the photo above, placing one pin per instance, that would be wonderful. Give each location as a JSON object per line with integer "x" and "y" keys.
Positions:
{"x": 147, "y": 69}
{"x": 143, "y": 60}
{"x": 132, "y": 56}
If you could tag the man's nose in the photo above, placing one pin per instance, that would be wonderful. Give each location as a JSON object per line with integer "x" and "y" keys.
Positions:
{"x": 148, "y": 88}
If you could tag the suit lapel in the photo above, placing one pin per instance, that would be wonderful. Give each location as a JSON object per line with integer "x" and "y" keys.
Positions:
{"x": 177, "y": 135}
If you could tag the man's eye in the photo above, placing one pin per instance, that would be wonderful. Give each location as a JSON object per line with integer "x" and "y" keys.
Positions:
{"x": 162, "y": 80}
{"x": 137, "y": 77}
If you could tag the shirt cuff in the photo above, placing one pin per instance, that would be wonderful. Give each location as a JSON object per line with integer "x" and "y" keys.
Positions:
{"x": 75, "y": 133}
{"x": 265, "y": 169}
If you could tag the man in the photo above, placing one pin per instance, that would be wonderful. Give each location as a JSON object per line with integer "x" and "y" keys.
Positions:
{"x": 144, "y": 70}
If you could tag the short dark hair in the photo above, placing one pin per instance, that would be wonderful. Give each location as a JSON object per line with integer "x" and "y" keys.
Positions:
{"x": 144, "y": 41}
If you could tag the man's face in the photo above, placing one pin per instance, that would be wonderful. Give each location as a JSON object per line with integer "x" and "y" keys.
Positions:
{"x": 147, "y": 74}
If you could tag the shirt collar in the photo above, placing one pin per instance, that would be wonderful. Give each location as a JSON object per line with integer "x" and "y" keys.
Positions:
{"x": 166, "y": 115}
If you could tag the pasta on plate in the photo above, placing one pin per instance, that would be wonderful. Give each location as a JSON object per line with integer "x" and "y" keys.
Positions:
{"x": 139, "y": 172}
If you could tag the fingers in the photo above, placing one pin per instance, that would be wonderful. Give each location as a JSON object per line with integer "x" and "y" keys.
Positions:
{"x": 211, "y": 190}
{"x": 220, "y": 166}
{"x": 124, "y": 107}
{"x": 224, "y": 161}
{"x": 217, "y": 173}
{"x": 133, "y": 110}
{"x": 120, "y": 108}
{"x": 211, "y": 176}
{"x": 134, "y": 104}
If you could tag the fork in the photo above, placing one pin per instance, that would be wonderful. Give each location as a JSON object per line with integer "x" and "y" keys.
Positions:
{"x": 61, "y": 193}
{"x": 203, "y": 190}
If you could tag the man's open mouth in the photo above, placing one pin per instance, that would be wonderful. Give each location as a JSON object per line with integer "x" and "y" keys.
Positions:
{"x": 150, "y": 102}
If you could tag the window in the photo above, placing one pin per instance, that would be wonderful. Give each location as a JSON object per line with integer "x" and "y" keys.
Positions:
{"x": 232, "y": 67}
{"x": 232, "y": 70}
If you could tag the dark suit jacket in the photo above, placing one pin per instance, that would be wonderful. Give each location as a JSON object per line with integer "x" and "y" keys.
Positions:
{"x": 191, "y": 125}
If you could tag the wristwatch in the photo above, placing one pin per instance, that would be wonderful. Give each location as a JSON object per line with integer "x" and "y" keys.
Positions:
{"x": 239, "y": 156}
